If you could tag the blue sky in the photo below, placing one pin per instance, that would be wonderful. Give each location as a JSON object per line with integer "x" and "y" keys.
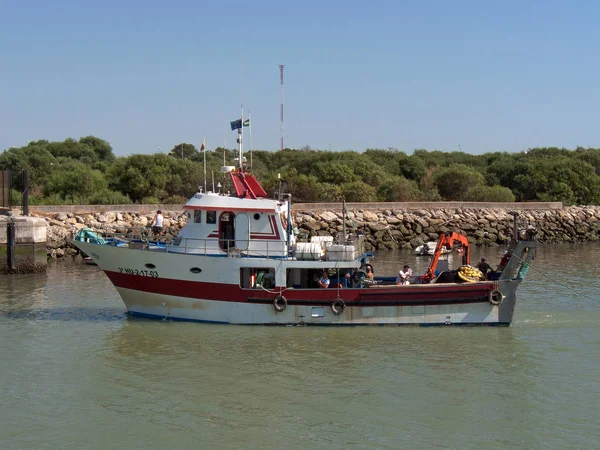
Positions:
{"x": 481, "y": 75}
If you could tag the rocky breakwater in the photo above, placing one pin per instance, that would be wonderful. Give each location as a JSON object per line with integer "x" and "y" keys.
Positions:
{"x": 63, "y": 226}
{"x": 391, "y": 229}
{"x": 383, "y": 229}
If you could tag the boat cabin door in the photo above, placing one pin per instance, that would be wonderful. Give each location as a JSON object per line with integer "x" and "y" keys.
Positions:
{"x": 242, "y": 231}
{"x": 226, "y": 231}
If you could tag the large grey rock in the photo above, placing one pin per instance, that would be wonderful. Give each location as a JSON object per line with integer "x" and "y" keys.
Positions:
{"x": 328, "y": 216}
{"x": 141, "y": 221}
{"x": 376, "y": 227}
{"x": 368, "y": 216}
{"x": 311, "y": 226}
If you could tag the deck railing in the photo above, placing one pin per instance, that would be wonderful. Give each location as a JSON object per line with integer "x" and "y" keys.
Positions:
{"x": 263, "y": 248}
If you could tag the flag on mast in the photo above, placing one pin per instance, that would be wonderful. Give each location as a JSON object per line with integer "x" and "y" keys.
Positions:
{"x": 236, "y": 124}
{"x": 203, "y": 146}
{"x": 247, "y": 122}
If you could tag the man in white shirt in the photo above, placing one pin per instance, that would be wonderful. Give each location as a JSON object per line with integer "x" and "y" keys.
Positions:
{"x": 324, "y": 280}
{"x": 404, "y": 276}
{"x": 157, "y": 223}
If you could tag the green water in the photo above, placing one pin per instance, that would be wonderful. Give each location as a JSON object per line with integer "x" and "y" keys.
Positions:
{"x": 76, "y": 373}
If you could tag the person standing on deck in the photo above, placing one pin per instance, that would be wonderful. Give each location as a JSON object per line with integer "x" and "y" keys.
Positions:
{"x": 157, "y": 223}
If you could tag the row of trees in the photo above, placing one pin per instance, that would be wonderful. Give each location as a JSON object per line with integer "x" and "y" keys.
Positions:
{"x": 87, "y": 171}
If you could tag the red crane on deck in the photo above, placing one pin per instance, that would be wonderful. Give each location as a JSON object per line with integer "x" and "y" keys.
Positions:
{"x": 447, "y": 240}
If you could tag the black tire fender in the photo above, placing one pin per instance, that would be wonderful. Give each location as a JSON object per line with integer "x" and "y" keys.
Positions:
{"x": 495, "y": 297}
{"x": 280, "y": 303}
{"x": 338, "y": 306}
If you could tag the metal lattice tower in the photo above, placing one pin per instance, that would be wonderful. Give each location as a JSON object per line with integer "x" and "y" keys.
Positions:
{"x": 281, "y": 103}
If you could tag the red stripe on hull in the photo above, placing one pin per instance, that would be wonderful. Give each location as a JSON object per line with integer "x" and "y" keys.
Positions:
{"x": 233, "y": 293}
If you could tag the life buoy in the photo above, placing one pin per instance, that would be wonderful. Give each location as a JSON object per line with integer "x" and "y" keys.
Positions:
{"x": 495, "y": 297}
{"x": 280, "y": 303}
{"x": 338, "y": 306}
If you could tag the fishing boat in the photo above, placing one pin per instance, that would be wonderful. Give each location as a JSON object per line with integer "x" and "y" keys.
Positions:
{"x": 238, "y": 261}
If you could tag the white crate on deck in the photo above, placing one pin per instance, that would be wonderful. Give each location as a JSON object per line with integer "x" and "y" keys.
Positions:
{"x": 341, "y": 253}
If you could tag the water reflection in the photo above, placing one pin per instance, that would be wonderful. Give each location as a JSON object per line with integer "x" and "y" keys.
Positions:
{"x": 70, "y": 291}
{"x": 250, "y": 377}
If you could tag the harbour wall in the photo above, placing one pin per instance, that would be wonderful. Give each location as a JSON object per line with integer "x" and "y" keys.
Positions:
{"x": 386, "y": 226}
{"x": 24, "y": 250}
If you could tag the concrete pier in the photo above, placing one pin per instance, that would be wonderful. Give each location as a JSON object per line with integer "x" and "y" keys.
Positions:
{"x": 29, "y": 247}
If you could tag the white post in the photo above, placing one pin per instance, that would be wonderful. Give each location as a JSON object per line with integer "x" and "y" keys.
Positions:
{"x": 241, "y": 138}
{"x": 250, "y": 126}
{"x": 204, "y": 151}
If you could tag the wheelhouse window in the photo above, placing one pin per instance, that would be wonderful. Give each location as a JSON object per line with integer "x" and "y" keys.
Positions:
{"x": 305, "y": 278}
{"x": 211, "y": 217}
{"x": 197, "y": 216}
{"x": 257, "y": 277}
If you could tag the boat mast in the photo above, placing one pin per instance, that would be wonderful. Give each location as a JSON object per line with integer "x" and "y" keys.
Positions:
{"x": 240, "y": 138}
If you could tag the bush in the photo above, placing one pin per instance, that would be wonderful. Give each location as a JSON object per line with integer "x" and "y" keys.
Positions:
{"x": 490, "y": 194}
{"x": 358, "y": 191}
{"x": 455, "y": 181}
{"x": 327, "y": 192}
{"x": 54, "y": 199}
{"x": 150, "y": 201}
{"x": 175, "y": 200}
{"x": 398, "y": 189}
{"x": 108, "y": 197}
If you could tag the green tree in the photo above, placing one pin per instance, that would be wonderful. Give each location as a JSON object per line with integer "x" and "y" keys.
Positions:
{"x": 336, "y": 172}
{"x": 304, "y": 188}
{"x": 398, "y": 189}
{"x": 35, "y": 157}
{"x": 140, "y": 176}
{"x": 328, "y": 192}
{"x": 357, "y": 191}
{"x": 72, "y": 149}
{"x": 412, "y": 168}
{"x": 490, "y": 194}
{"x": 74, "y": 180}
{"x": 367, "y": 170}
{"x": 108, "y": 197}
{"x": 101, "y": 148}
{"x": 184, "y": 151}
{"x": 454, "y": 182}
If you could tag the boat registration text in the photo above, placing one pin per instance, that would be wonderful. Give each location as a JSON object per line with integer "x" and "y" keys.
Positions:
{"x": 142, "y": 272}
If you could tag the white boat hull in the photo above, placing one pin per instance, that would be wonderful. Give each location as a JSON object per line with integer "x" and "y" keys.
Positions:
{"x": 162, "y": 285}
{"x": 157, "y": 306}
